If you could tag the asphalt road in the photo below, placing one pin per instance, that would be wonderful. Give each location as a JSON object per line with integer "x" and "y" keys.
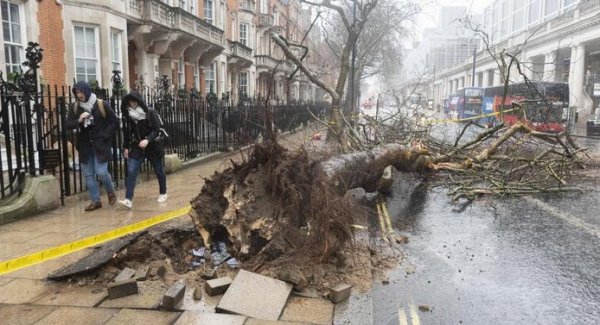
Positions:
{"x": 498, "y": 261}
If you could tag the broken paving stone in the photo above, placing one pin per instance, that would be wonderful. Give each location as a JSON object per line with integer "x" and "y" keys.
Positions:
{"x": 174, "y": 295}
{"x": 217, "y": 286}
{"x": 425, "y": 308}
{"x": 410, "y": 269}
{"x": 308, "y": 311}
{"x": 122, "y": 289}
{"x": 340, "y": 293}
{"x": 197, "y": 293}
{"x": 307, "y": 293}
{"x": 161, "y": 271}
{"x": 256, "y": 296}
{"x": 125, "y": 274}
{"x": 208, "y": 274}
{"x": 293, "y": 276}
{"x": 143, "y": 273}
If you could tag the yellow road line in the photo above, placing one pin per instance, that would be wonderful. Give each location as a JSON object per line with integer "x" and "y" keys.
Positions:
{"x": 414, "y": 316}
{"x": 381, "y": 223}
{"x": 402, "y": 316}
{"x": 58, "y": 251}
{"x": 388, "y": 219}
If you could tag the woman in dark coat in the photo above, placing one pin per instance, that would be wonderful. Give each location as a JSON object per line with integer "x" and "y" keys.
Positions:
{"x": 141, "y": 130}
{"x": 96, "y": 125}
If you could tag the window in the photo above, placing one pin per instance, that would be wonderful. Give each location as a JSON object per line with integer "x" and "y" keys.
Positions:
{"x": 244, "y": 84}
{"x": 86, "y": 58}
{"x": 115, "y": 40}
{"x": 187, "y": 6}
{"x": 264, "y": 6}
{"x": 181, "y": 73}
{"x": 506, "y": 15}
{"x": 210, "y": 78}
{"x": 551, "y": 7}
{"x": 208, "y": 11}
{"x": 244, "y": 34}
{"x": 519, "y": 14}
{"x": 569, "y": 2}
{"x": 196, "y": 77}
{"x": 534, "y": 11}
{"x": 13, "y": 45}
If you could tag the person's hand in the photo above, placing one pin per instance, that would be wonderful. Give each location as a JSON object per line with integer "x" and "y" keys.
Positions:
{"x": 143, "y": 144}
{"x": 83, "y": 116}
{"x": 126, "y": 153}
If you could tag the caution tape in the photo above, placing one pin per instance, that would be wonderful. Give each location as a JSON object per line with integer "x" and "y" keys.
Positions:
{"x": 58, "y": 251}
{"x": 458, "y": 120}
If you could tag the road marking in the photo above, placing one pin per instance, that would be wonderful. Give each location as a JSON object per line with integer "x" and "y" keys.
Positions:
{"x": 414, "y": 316}
{"x": 388, "y": 219}
{"x": 381, "y": 223}
{"x": 402, "y": 316}
{"x": 569, "y": 218}
{"x": 65, "y": 249}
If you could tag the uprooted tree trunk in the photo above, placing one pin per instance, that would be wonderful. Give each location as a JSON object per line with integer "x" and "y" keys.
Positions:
{"x": 280, "y": 203}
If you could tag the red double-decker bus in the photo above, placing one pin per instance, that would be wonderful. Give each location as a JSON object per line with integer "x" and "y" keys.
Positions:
{"x": 542, "y": 105}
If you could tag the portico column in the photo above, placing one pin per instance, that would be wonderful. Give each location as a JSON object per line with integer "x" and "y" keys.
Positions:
{"x": 497, "y": 78}
{"x": 485, "y": 79}
{"x": 577, "y": 75}
{"x": 550, "y": 66}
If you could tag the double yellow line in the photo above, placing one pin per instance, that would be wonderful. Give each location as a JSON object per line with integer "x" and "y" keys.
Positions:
{"x": 414, "y": 315}
{"x": 385, "y": 222}
{"x": 58, "y": 251}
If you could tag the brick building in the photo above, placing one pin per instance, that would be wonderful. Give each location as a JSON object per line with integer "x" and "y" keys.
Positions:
{"x": 222, "y": 45}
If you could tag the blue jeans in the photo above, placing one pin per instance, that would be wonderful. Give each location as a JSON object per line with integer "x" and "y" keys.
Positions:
{"x": 133, "y": 169}
{"x": 94, "y": 168}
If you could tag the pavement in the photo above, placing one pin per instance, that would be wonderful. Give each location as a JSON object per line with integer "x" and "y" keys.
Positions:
{"x": 27, "y": 298}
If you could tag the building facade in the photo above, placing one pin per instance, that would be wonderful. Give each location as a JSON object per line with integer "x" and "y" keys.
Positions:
{"x": 201, "y": 45}
{"x": 559, "y": 42}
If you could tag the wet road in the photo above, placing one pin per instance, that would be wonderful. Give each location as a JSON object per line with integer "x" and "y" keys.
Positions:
{"x": 501, "y": 261}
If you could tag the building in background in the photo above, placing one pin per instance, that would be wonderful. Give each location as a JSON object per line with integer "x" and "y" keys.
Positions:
{"x": 204, "y": 45}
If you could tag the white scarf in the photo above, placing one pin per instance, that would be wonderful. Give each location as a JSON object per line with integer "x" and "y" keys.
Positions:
{"x": 137, "y": 114}
{"x": 87, "y": 106}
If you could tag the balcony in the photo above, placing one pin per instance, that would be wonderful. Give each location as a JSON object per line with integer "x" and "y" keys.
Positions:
{"x": 265, "y": 20}
{"x": 248, "y": 5}
{"x": 240, "y": 54}
{"x": 266, "y": 63}
{"x": 161, "y": 14}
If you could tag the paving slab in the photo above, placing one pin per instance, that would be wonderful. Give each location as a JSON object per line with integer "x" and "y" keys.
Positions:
{"x": 309, "y": 310}
{"x": 74, "y": 315}
{"x": 218, "y": 286}
{"x": 98, "y": 257}
{"x": 206, "y": 304}
{"x": 195, "y": 317}
{"x": 130, "y": 316}
{"x": 255, "y": 296}
{"x": 21, "y": 291}
{"x": 149, "y": 297}
{"x": 23, "y": 314}
{"x": 74, "y": 296}
{"x": 174, "y": 295}
{"x": 125, "y": 274}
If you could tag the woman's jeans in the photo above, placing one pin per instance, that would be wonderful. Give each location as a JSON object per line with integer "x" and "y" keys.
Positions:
{"x": 94, "y": 168}
{"x": 133, "y": 169}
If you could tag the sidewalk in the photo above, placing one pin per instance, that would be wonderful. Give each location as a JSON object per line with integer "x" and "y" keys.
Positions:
{"x": 70, "y": 222}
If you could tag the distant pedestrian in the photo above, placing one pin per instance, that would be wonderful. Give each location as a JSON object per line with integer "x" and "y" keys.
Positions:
{"x": 141, "y": 132}
{"x": 96, "y": 125}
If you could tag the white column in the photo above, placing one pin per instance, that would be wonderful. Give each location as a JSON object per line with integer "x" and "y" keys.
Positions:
{"x": 461, "y": 82}
{"x": 577, "y": 76}
{"x": 527, "y": 68}
{"x": 476, "y": 79}
{"x": 497, "y": 78}
{"x": 550, "y": 66}
{"x": 485, "y": 79}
